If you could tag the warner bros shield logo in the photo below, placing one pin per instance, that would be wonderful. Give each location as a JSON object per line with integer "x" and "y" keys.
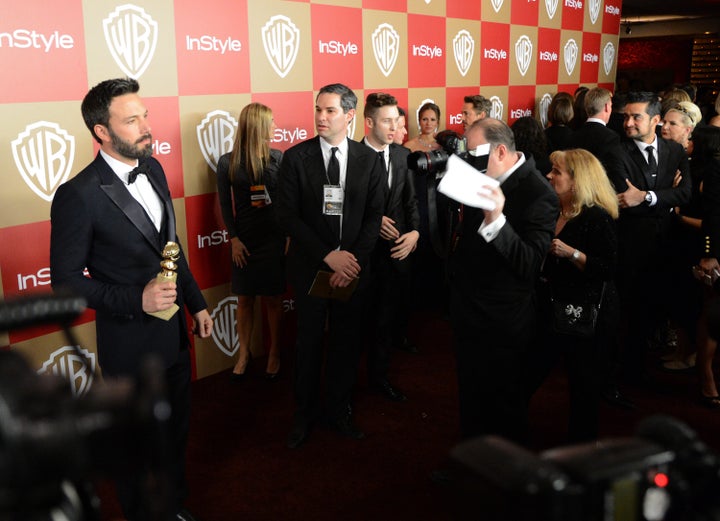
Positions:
{"x": 281, "y": 40}
{"x": 224, "y": 332}
{"x": 463, "y": 50}
{"x": 44, "y": 155}
{"x": 544, "y": 105}
{"x": 594, "y": 7}
{"x": 215, "y": 135}
{"x": 77, "y": 365}
{"x": 131, "y": 35}
{"x": 386, "y": 47}
{"x": 497, "y": 108}
{"x": 523, "y": 54}
{"x": 497, "y": 4}
{"x": 608, "y": 57}
{"x": 551, "y": 8}
{"x": 570, "y": 54}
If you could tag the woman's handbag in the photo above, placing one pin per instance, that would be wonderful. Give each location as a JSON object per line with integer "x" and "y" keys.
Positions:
{"x": 576, "y": 318}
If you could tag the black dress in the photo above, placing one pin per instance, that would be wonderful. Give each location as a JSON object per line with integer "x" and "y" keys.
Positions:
{"x": 256, "y": 227}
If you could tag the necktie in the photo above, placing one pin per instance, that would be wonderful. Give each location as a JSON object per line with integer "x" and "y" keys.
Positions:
{"x": 652, "y": 165}
{"x": 333, "y": 168}
{"x": 381, "y": 155}
{"x": 141, "y": 169}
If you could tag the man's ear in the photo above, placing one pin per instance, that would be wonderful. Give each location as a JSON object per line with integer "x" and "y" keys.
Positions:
{"x": 369, "y": 122}
{"x": 101, "y": 131}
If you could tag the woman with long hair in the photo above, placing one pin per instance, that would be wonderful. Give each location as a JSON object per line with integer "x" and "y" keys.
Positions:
{"x": 579, "y": 269}
{"x": 428, "y": 121}
{"x": 247, "y": 181}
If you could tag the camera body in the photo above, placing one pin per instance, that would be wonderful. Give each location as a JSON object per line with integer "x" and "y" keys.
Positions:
{"x": 434, "y": 162}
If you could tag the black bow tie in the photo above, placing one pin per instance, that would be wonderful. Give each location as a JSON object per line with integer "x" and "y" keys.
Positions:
{"x": 142, "y": 168}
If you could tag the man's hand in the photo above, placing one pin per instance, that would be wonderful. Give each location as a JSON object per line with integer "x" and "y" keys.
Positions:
{"x": 337, "y": 280}
{"x": 404, "y": 245}
{"x": 344, "y": 263}
{"x": 158, "y": 296}
{"x": 202, "y": 324}
{"x": 631, "y": 197}
{"x": 496, "y": 195}
{"x": 387, "y": 230}
{"x": 239, "y": 252}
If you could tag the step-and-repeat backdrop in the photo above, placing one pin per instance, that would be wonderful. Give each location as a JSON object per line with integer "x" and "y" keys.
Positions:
{"x": 199, "y": 63}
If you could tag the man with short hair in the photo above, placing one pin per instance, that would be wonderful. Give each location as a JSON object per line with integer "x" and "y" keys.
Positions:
{"x": 115, "y": 218}
{"x": 399, "y": 234}
{"x": 475, "y": 108}
{"x": 401, "y": 128}
{"x": 493, "y": 273}
{"x": 330, "y": 203}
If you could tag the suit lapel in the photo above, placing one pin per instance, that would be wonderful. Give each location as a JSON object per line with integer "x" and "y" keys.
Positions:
{"x": 168, "y": 209}
{"x": 640, "y": 162}
{"x": 314, "y": 168}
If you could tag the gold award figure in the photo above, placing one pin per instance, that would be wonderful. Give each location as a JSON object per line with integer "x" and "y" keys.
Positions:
{"x": 170, "y": 254}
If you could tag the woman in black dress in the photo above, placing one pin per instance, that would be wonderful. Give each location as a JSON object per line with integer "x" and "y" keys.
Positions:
{"x": 579, "y": 268}
{"x": 247, "y": 182}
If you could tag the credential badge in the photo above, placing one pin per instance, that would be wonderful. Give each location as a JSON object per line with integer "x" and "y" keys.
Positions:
{"x": 608, "y": 57}
{"x": 224, "y": 332}
{"x": 523, "y": 54}
{"x": 131, "y": 35}
{"x": 463, "y": 49}
{"x": 66, "y": 362}
{"x": 216, "y": 133}
{"x": 570, "y": 54}
{"x": 44, "y": 155}
{"x": 281, "y": 40}
{"x": 386, "y": 47}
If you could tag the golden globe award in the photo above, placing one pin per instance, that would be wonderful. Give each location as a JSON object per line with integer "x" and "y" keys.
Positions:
{"x": 170, "y": 254}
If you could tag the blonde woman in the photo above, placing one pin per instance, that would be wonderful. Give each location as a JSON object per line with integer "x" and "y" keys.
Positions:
{"x": 429, "y": 120}
{"x": 679, "y": 121}
{"x": 247, "y": 181}
{"x": 579, "y": 270}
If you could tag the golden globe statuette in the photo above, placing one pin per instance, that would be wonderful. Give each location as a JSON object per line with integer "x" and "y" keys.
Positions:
{"x": 170, "y": 254}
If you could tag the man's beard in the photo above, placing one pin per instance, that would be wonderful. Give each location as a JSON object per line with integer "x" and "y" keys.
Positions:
{"x": 131, "y": 150}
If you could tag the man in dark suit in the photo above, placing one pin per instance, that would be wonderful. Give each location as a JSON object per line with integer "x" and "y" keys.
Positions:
{"x": 493, "y": 273}
{"x": 593, "y": 135}
{"x": 388, "y": 296}
{"x": 653, "y": 179}
{"x": 116, "y": 223}
{"x": 330, "y": 203}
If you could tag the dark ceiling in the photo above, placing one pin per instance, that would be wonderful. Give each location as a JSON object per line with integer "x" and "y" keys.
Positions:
{"x": 669, "y": 8}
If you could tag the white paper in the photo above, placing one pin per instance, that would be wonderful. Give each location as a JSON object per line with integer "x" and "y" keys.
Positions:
{"x": 462, "y": 183}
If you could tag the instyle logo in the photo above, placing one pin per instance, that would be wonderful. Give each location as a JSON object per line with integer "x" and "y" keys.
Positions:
{"x": 44, "y": 154}
{"x": 77, "y": 366}
{"x": 519, "y": 113}
{"x": 523, "y": 54}
{"x": 215, "y": 134}
{"x": 31, "y": 39}
{"x": 33, "y": 280}
{"x": 497, "y": 4}
{"x": 548, "y": 56}
{"x": 594, "y": 9}
{"x": 463, "y": 51}
{"x": 497, "y": 107}
{"x": 292, "y": 136}
{"x": 543, "y": 108}
{"x": 495, "y": 54}
{"x": 214, "y": 239}
{"x": 589, "y": 57}
{"x": 207, "y": 43}
{"x": 131, "y": 35}
{"x": 386, "y": 47}
{"x": 611, "y": 9}
{"x": 570, "y": 53}
{"x": 427, "y": 51}
{"x": 608, "y": 57}
{"x": 281, "y": 40}
{"x": 574, "y": 4}
{"x": 224, "y": 333}
{"x": 551, "y": 8}
{"x": 336, "y": 47}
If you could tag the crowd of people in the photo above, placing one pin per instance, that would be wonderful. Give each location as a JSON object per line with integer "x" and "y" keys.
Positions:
{"x": 596, "y": 242}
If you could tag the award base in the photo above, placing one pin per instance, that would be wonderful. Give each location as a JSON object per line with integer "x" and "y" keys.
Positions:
{"x": 166, "y": 314}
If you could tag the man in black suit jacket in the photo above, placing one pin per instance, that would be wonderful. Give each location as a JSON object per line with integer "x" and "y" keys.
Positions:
{"x": 333, "y": 224}
{"x": 388, "y": 299}
{"x": 117, "y": 228}
{"x": 493, "y": 273}
{"x": 653, "y": 179}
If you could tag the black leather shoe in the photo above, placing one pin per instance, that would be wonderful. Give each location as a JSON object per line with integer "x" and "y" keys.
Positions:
{"x": 297, "y": 436}
{"x": 345, "y": 427}
{"x": 388, "y": 391}
{"x": 184, "y": 515}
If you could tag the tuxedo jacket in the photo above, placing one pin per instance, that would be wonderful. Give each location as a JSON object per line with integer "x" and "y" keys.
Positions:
{"x": 601, "y": 142}
{"x": 96, "y": 223}
{"x": 300, "y": 208}
{"x": 496, "y": 280}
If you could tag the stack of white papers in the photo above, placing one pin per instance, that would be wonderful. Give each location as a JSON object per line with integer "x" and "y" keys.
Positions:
{"x": 466, "y": 185}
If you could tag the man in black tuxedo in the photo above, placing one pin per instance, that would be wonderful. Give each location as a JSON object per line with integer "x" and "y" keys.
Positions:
{"x": 116, "y": 223}
{"x": 493, "y": 274}
{"x": 390, "y": 288}
{"x": 330, "y": 203}
{"x": 653, "y": 179}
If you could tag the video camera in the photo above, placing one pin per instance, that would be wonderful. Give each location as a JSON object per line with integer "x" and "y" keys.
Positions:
{"x": 52, "y": 443}
{"x": 663, "y": 474}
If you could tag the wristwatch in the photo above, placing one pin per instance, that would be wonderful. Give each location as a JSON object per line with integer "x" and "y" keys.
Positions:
{"x": 648, "y": 197}
{"x": 576, "y": 255}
